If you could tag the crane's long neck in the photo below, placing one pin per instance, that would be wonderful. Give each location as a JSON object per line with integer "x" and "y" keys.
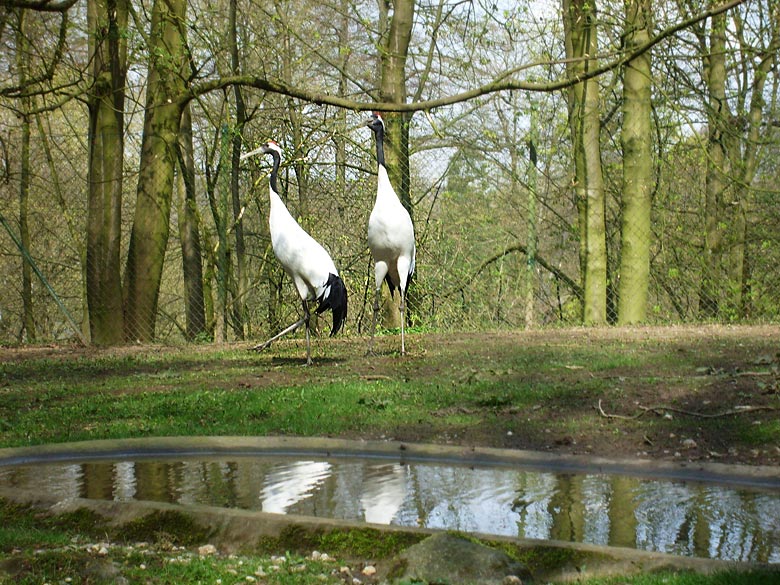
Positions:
{"x": 380, "y": 146}
{"x": 275, "y": 170}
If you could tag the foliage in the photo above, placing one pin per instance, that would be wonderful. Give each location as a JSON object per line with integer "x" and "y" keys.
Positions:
{"x": 469, "y": 163}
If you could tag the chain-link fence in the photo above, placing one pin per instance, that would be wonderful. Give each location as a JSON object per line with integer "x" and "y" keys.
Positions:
{"x": 497, "y": 247}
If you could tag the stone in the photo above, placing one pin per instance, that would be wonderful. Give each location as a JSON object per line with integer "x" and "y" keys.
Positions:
{"x": 448, "y": 558}
{"x": 103, "y": 571}
{"x": 207, "y": 549}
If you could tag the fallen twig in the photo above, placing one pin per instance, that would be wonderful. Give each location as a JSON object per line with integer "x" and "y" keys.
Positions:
{"x": 661, "y": 408}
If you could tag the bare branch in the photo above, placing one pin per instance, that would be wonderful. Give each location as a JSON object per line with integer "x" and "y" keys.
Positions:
{"x": 658, "y": 409}
{"x": 41, "y": 5}
{"x": 502, "y": 83}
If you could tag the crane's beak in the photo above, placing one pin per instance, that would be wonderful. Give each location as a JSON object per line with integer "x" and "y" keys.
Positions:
{"x": 252, "y": 152}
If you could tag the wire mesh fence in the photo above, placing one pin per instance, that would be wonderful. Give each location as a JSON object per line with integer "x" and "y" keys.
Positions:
{"x": 493, "y": 251}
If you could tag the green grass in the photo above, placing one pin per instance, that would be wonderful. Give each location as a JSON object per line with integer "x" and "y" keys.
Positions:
{"x": 179, "y": 396}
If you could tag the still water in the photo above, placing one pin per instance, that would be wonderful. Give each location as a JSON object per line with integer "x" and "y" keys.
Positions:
{"x": 683, "y": 518}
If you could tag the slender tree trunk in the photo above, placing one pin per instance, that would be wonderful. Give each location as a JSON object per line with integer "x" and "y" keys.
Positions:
{"x": 715, "y": 188}
{"x": 24, "y": 231}
{"x": 582, "y": 42}
{"x": 108, "y": 47}
{"x": 339, "y": 138}
{"x": 220, "y": 211}
{"x": 149, "y": 236}
{"x": 743, "y": 146}
{"x": 23, "y": 64}
{"x": 636, "y": 233}
{"x": 394, "y": 50}
{"x": 530, "y": 258}
{"x": 189, "y": 233}
{"x": 239, "y": 316}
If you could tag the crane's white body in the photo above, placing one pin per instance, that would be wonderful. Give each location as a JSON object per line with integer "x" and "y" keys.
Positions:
{"x": 303, "y": 258}
{"x": 390, "y": 236}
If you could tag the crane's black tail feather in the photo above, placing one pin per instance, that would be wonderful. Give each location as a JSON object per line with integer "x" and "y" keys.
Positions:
{"x": 334, "y": 299}
{"x": 392, "y": 286}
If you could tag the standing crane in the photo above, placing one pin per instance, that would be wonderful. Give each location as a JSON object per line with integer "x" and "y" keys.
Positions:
{"x": 303, "y": 259}
{"x": 390, "y": 235}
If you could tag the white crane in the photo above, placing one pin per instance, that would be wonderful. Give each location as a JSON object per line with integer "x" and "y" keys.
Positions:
{"x": 303, "y": 259}
{"x": 390, "y": 235}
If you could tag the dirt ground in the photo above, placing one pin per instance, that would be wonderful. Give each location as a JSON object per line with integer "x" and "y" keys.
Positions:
{"x": 705, "y": 393}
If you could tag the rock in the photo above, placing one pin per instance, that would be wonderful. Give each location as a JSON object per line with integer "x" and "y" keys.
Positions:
{"x": 369, "y": 570}
{"x": 103, "y": 571}
{"x": 447, "y": 558}
{"x": 207, "y": 549}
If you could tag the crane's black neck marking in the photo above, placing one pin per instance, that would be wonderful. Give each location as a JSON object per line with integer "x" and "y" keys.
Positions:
{"x": 275, "y": 170}
{"x": 379, "y": 132}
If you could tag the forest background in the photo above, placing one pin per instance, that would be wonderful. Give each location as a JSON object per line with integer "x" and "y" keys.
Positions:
{"x": 564, "y": 163}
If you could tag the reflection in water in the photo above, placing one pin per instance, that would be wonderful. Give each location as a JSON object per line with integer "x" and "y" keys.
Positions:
{"x": 681, "y": 518}
{"x": 288, "y": 483}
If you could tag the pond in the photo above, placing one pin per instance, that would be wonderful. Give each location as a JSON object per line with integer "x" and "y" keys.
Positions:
{"x": 692, "y": 518}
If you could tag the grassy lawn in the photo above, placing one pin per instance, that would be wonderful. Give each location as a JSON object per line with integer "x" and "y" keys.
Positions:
{"x": 537, "y": 390}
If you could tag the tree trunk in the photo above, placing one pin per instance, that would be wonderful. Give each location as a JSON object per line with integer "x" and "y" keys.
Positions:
{"x": 22, "y": 61}
{"x": 339, "y": 138}
{"x": 530, "y": 258}
{"x": 583, "y": 98}
{"x": 108, "y": 47}
{"x": 743, "y": 147}
{"x": 715, "y": 187}
{"x": 149, "y": 236}
{"x": 189, "y": 234}
{"x": 636, "y": 233}
{"x": 219, "y": 209}
{"x": 393, "y": 53}
{"x": 239, "y": 314}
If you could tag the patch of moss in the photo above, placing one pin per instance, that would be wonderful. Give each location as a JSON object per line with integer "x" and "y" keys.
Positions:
{"x": 81, "y": 521}
{"x": 24, "y": 525}
{"x": 37, "y": 568}
{"x": 16, "y": 513}
{"x": 545, "y": 558}
{"x": 398, "y": 569}
{"x": 164, "y": 527}
{"x": 349, "y": 543}
{"x": 292, "y": 538}
{"x": 367, "y": 542}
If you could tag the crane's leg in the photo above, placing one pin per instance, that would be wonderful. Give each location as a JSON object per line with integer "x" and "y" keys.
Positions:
{"x": 290, "y": 329}
{"x": 380, "y": 271}
{"x": 307, "y": 318}
{"x": 403, "y": 321}
{"x": 403, "y": 265}
{"x": 373, "y": 323}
